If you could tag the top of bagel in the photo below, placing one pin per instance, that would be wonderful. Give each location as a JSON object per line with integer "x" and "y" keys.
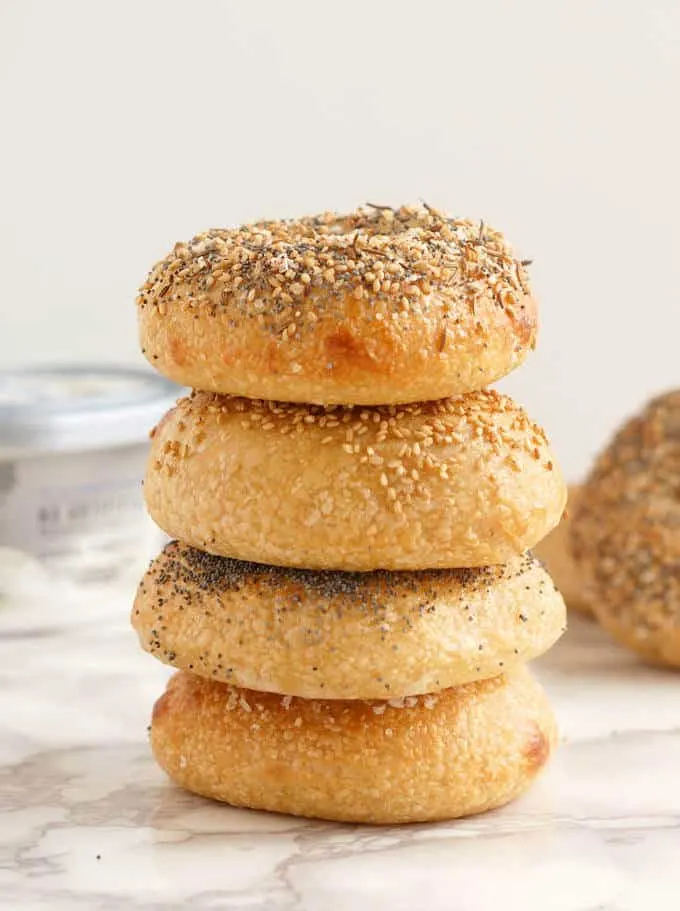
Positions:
{"x": 642, "y": 460}
{"x": 271, "y": 270}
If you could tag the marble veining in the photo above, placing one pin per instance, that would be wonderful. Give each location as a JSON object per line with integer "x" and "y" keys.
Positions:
{"x": 88, "y": 822}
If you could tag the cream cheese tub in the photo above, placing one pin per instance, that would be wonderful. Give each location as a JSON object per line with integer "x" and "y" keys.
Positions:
{"x": 73, "y": 443}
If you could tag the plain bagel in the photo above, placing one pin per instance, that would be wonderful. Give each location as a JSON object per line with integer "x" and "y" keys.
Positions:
{"x": 556, "y": 552}
{"x": 377, "y": 306}
{"x": 469, "y": 481}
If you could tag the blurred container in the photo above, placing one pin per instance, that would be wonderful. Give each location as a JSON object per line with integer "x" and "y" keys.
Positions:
{"x": 73, "y": 444}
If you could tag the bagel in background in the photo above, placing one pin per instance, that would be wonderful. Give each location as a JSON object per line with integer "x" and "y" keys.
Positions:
{"x": 378, "y": 306}
{"x": 633, "y": 580}
{"x": 626, "y": 533}
{"x": 555, "y": 551}
{"x": 339, "y": 635}
{"x": 469, "y": 481}
{"x": 419, "y": 759}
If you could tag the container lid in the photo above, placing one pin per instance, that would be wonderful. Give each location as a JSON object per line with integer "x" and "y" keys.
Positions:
{"x": 67, "y": 409}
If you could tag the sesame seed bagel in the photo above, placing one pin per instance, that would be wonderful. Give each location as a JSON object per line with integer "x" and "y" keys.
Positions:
{"x": 379, "y": 306}
{"x": 555, "y": 551}
{"x": 459, "y": 752}
{"x": 626, "y": 532}
{"x": 468, "y": 481}
{"x": 342, "y": 635}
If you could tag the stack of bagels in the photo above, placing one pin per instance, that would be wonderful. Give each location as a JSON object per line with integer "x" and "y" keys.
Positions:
{"x": 350, "y": 598}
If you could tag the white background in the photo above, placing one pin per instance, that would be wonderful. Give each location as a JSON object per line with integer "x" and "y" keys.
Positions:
{"x": 129, "y": 125}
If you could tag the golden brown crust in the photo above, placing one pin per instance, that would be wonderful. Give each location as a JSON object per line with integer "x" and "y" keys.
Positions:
{"x": 461, "y": 482}
{"x": 338, "y": 635}
{"x": 626, "y": 533}
{"x": 375, "y": 307}
{"x": 462, "y": 751}
{"x": 555, "y": 551}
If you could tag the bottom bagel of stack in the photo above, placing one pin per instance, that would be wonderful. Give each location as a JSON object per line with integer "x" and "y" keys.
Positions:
{"x": 377, "y": 697}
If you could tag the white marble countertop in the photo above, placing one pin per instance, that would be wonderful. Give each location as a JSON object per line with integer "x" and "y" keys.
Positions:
{"x": 88, "y": 822}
